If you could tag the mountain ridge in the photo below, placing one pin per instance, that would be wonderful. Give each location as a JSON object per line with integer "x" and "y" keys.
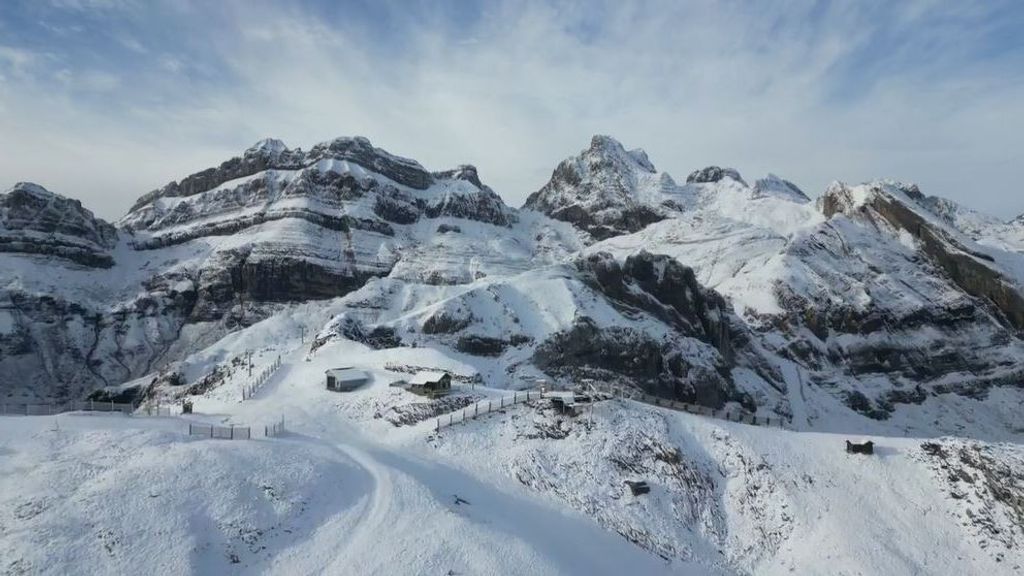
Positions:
{"x": 832, "y": 293}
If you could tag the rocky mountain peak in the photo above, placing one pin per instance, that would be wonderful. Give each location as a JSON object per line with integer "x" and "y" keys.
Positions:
{"x": 360, "y": 151}
{"x": 773, "y": 186}
{"x": 607, "y": 151}
{"x": 605, "y": 190}
{"x": 712, "y": 174}
{"x": 34, "y": 220}
{"x": 269, "y": 147}
{"x": 465, "y": 172}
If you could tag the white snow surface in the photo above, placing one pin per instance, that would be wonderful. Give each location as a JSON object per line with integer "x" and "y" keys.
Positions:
{"x": 521, "y": 491}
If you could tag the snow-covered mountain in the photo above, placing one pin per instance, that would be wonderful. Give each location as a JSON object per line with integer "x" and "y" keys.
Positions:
{"x": 873, "y": 310}
{"x": 876, "y": 299}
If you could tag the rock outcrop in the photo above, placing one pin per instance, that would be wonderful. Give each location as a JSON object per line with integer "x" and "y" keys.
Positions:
{"x": 602, "y": 190}
{"x": 34, "y": 220}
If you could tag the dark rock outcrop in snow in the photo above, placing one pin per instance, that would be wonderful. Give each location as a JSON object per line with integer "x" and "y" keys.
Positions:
{"x": 713, "y": 174}
{"x": 273, "y": 154}
{"x": 668, "y": 291}
{"x": 34, "y": 220}
{"x": 598, "y": 191}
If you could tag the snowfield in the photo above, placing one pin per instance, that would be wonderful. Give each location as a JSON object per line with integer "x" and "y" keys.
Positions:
{"x": 520, "y": 491}
{"x": 872, "y": 313}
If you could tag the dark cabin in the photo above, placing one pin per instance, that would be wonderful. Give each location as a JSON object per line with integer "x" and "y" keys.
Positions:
{"x": 430, "y": 383}
{"x": 865, "y": 448}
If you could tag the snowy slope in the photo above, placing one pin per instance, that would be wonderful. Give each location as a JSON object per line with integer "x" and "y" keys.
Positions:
{"x": 521, "y": 491}
{"x": 876, "y": 301}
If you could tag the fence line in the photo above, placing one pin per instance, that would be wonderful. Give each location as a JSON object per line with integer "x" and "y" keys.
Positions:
{"x": 60, "y": 408}
{"x": 167, "y": 410}
{"x": 484, "y": 407}
{"x": 223, "y": 432}
{"x": 731, "y": 416}
{"x": 275, "y": 429}
{"x": 249, "y": 390}
{"x": 233, "y": 432}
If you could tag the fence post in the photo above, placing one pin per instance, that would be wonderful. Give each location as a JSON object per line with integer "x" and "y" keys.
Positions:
{"x": 190, "y": 429}
{"x": 449, "y": 419}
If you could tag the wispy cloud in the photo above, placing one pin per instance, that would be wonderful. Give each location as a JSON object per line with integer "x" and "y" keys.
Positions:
{"x": 918, "y": 90}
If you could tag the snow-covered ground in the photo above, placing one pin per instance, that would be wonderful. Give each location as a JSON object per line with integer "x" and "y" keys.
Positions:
{"x": 520, "y": 491}
{"x": 821, "y": 301}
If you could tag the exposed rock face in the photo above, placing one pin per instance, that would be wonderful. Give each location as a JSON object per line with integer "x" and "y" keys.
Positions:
{"x": 887, "y": 293}
{"x": 971, "y": 270}
{"x": 58, "y": 349}
{"x": 481, "y": 204}
{"x": 668, "y": 291}
{"x": 600, "y": 190}
{"x": 274, "y": 155}
{"x": 713, "y": 174}
{"x": 875, "y": 297}
{"x": 632, "y": 358}
{"x": 773, "y": 186}
{"x": 291, "y": 226}
{"x": 34, "y": 220}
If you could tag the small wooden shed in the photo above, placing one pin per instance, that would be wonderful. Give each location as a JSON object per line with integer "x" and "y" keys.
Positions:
{"x": 430, "y": 383}
{"x": 564, "y": 402}
{"x": 346, "y": 379}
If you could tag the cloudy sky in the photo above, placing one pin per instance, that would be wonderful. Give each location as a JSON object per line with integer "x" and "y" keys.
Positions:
{"x": 104, "y": 100}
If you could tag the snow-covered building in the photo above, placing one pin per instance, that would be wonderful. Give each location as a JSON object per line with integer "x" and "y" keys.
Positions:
{"x": 346, "y": 379}
{"x": 430, "y": 383}
{"x": 563, "y": 401}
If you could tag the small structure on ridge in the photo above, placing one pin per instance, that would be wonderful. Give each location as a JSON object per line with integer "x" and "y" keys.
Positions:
{"x": 430, "y": 383}
{"x": 346, "y": 379}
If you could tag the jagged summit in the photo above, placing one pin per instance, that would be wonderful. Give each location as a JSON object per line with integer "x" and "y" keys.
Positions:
{"x": 874, "y": 290}
{"x": 273, "y": 154}
{"x": 713, "y": 174}
{"x": 267, "y": 146}
{"x": 605, "y": 190}
{"x": 774, "y": 186}
{"x": 34, "y": 220}
{"x": 607, "y": 147}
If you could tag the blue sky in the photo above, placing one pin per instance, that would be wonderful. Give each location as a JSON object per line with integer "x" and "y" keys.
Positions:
{"x": 104, "y": 100}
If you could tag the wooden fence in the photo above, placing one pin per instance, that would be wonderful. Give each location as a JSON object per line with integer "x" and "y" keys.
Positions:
{"x": 249, "y": 389}
{"x": 484, "y": 407}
